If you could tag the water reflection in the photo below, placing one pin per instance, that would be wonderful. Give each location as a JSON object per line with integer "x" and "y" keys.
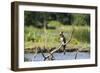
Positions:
{"x": 57, "y": 56}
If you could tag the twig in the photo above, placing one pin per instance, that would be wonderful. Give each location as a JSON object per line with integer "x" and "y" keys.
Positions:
{"x": 35, "y": 53}
{"x": 76, "y": 53}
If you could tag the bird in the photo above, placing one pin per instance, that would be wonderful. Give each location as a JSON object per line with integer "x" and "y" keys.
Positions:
{"x": 63, "y": 41}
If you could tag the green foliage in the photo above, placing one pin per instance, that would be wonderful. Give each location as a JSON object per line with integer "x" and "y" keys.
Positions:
{"x": 74, "y": 41}
{"x": 43, "y": 28}
{"x": 80, "y": 19}
{"x": 32, "y": 33}
{"x": 32, "y": 18}
{"x": 54, "y": 23}
{"x": 82, "y": 34}
{"x": 35, "y": 37}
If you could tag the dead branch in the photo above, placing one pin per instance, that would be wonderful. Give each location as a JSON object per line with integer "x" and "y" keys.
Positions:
{"x": 50, "y": 54}
{"x": 76, "y": 53}
{"x": 36, "y": 51}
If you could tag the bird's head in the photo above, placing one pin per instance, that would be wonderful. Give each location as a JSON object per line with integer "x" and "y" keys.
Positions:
{"x": 61, "y": 33}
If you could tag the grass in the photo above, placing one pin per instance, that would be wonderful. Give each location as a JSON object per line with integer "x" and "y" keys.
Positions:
{"x": 36, "y": 37}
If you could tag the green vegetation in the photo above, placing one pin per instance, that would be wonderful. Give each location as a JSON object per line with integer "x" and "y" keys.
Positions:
{"x": 36, "y": 37}
{"x": 42, "y": 29}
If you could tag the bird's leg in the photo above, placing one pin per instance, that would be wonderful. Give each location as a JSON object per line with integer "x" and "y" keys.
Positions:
{"x": 64, "y": 46}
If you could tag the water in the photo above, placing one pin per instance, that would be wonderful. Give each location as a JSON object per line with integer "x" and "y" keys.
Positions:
{"x": 57, "y": 56}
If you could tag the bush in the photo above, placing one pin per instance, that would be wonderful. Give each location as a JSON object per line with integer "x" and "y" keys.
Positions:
{"x": 54, "y": 23}
{"x": 74, "y": 41}
{"x": 82, "y": 34}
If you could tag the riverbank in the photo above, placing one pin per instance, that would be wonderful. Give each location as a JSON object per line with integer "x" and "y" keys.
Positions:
{"x": 34, "y": 50}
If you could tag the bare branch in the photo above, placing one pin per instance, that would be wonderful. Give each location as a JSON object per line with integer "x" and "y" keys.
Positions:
{"x": 47, "y": 57}
{"x": 53, "y": 52}
{"x": 50, "y": 55}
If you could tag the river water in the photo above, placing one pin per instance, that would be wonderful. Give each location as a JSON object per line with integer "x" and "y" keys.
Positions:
{"x": 57, "y": 56}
